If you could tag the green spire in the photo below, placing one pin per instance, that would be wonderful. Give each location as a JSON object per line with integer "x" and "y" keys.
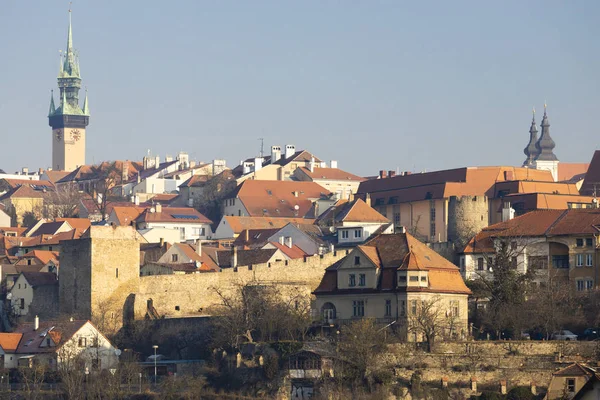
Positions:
{"x": 70, "y": 67}
{"x": 63, "y": 102}
{"x": 86, "y": 107}
{"x": 52, "y": 107}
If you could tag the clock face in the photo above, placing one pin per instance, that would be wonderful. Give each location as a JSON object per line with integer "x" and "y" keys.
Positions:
{"x": 75, "y": 134}
{"x": 59, "y": 135}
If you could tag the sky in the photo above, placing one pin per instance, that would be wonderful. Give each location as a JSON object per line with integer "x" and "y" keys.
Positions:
{"x": 407, "y": 85}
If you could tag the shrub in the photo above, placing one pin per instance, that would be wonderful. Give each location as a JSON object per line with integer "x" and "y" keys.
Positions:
{"x": 487, "y": 395}
{"x": 520, "y": 393}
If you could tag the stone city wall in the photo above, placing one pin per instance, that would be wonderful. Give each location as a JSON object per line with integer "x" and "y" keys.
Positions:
{"x": 179, "y": 295}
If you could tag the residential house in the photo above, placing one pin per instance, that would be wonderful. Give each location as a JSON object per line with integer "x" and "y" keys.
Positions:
{"x": 287, "y": 247}
{"x": 8, "y": 349}
{"x": 236, "y": 258}
{"x": 191, "y": 191}
{"x": 343, "y": 184}
{"x": 190, "y": 224}
{"x": 39, "y": 258}
{"x": 591, "y": 389}
{"x": 569, "y": 381}
{"x": 5, "y": 219}
{"x": 277, "y": 199}
{"x": 353, "y": 222}
{"x": 391, "y": 278}
{"x": 35, "y": 290}
{"x": 22, "y": 200}
{"x": 231, "y": 227}
{"x": 560, "y": 245}
{"x": 186, "y": 253}
{"x": 53, "y": 343}
{"x": 307, "y": 237}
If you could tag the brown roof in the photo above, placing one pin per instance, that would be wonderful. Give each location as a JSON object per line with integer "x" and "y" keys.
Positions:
{"x": 208, "y": 258}
{"x": 245, "y": 257}
{"x": 196, "y": 181}
{"x": 238, "y": 224}
{"x": 293, "y": 252}
{"x": 163, "y": 198}
{"x": 81, "y": 224}
{"x": 359, "y": 211}
{"x": 574, "y": 369}
{"x": 174, "y": 214}
{"x": 522, "y": 202}
{"x": 299, "y": 156}
{"x": 44, "y": 240}
{"x": 402, "y": 251}
{"x": 125, "y": 215}
{"x": 94, "y": 172}
{"x": 42, "y": 255}
{"x": 55, "y": 175}
{"x": 10, "y": 341}
{"x": 60, "y": 332}
{"x": 23, "y": 192}
{"x": 591, "y": 183}
{"x": 331, "y": 174}
{"x": 36, "y": 279}
{"x": 566, "y": 171}
{"x": 289, "y": 199}
{"x": 14, "y": 183}
{"x": 46, "y": 228}
{"x": 254, "y": 238}
{"x": 469, "y": 181}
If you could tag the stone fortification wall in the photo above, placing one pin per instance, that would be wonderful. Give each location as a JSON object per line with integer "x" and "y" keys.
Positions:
{"x": 179, "y": 295}
{"x": 467, "y": 216}
{"x": 517, "y": 362}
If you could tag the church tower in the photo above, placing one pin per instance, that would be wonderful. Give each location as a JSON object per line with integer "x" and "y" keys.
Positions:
{"x": 546, "y": 159}
{"x": 69, "y": 120}
{"x": 531, "y": 150}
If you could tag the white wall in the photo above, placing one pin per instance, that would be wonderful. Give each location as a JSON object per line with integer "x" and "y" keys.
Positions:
{"x": 4, "y": 219}
{"x": 21, "y": 290}
{"x": 298, "y": 238}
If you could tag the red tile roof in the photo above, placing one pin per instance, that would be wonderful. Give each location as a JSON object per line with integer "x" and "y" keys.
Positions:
{"x": 126, "y": 215}
{"x": 289, "y": 199}
{"x": 238, "y": 224}
{"x": 331, "y": 174}
{"x": 81, "y": 224}
{"x": 174, "y": 214}
{"x": 294, "y": 252}
{"x": 42, "y": 255}
{"x": 359, "y": 211}
{"x": 10, "y": 341}
{"x": 567, "y": 171}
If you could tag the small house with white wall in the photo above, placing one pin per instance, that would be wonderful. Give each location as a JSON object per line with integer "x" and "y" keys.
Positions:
{"x": 190, "y": 224}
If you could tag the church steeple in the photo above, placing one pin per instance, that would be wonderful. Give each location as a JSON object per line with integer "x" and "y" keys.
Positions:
{"x": 531, "y": 150}
{"x": 52, "y": 107}
{"x": 71, "y": 63}
{"x": 86, "y": 106}
{"x": 545, "y": 145}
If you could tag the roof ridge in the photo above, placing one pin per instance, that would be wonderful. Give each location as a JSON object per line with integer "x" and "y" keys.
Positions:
{"x": 556, "y": 221}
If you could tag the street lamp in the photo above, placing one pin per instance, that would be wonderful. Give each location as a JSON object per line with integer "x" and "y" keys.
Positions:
{"x": 155, "y": 374}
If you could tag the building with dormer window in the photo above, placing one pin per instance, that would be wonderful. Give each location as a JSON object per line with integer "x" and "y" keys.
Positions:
{"x": 388, "y": 279}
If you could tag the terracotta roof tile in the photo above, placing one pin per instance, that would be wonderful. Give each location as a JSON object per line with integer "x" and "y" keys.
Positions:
{"x": 81, "y": 224}
{"x": 293, "y": 253}
{"x": 127, "y": 215}
{"x": 55, "y": 175}
{"x": 331, "y": 174}
{"x": 43, "y": 256}
{"x": 59, "y": 331}
{"x": 173, "y": 214}
{"x": 238, "y": 224}
{"x": 10, "y": 341}
{"x": 359, "y": 211}
{"x": 290, "y": 199}
{"x": 254, "y": 238}
{"x": 567, "y": 171}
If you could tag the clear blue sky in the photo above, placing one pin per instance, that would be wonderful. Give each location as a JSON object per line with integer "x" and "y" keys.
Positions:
{"x": 374, "y": 84}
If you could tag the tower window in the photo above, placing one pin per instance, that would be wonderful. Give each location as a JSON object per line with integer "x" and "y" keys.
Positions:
{"x": 116, "y": 272}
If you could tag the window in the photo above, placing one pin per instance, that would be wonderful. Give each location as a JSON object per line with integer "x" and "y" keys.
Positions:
{"x": 357, "y": 233}
{"x": 202, "y": 231}
{"x": 579, "y": 242}
{"x": 561, "y": 261}
{"x": 362, "y": 280}
{"x": 22, "y": 304}
{"x": 589, "y": 260}
{"x": 513, "y": 245}
{"x": 174, "y": 257}
{"x": 396, "y": 211}
{"x": 513, "y": 262}
{"x": 589, "y": 284}
{"x": 352, "y": 280}
{"x": 402, "y": 279}
{"x": 344, "y": 234}
{"x": 580, "y": 285}
{"x": 388, "y": 308}
{"x": 82, "y": 342}
{"x": 117, "y": 273}
{"x": 480, "y": 264}
{"x": 537, "y": 262}
{"x": 432, "y": 218}
{"x": 402, "y": 307}
{"x": 423, "y": 279}
{"x": 356, "y": 260}
{"x": 24, "y": 286}
{"x": 579, "y": 260}
{"x": 589, "y": 242}
{"x": 414, "y": 279}
{"x": 49, "y": 248}
{"x": 413, "y": 307}
{"x": 358, "y": 308}
{"x": 48, "y": 342}
{"x": 571, "y": 385}
{"x": 29, "y": 261}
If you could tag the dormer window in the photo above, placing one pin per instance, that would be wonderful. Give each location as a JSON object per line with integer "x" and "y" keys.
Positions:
{"x": 357, "y": 260}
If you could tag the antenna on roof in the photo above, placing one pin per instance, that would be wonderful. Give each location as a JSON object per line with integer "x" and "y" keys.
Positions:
{"x": 262, "y": 146}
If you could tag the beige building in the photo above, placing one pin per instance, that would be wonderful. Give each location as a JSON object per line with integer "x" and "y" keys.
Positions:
{"x": 393, "y": 279}
{"x": 343, "y": 184}
{"x": 560, "y": 245}
{"x": 566, "y": 383}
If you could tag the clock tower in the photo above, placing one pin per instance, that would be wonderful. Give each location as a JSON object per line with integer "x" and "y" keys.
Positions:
{"x": 68, "y": 120}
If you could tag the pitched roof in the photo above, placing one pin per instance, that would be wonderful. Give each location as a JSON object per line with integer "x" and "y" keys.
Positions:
{"x": 299, "y": 156}
{"x": 472, "y": 181}
{"x": 163, "y": 198}
{"x": 545, "y": 201}
{"x": 566, "y": 171}
{"x": 279, "y": 198}
{"x": 359, "y": 211}
{"x": 47, "y": 228}
{"x": 81, "y": 224}
{"x": 10, "y": 341}
{"x": 293, "y": 252}
{"x": 59, "y": 331}
{"x": 173, "y": 214}
{"x": 94, "y": 172}
{"x": 196, "y": 181}
{"x": 575, "y": 369}
{"x": 245, "y": 257}
{"x": 402, "y": 251}
{"x": 55, "y": 175}
{"x": 254, "y": 238}
{"x": 125, "y": 215}
{"x": 43, "y": 255}
{"x": 36, "y": 279}
{"x": 334, "y": 174}
{"x": 208, "y": 258}
{"x": 238, "y": 224}
{"x": 22, "y": 192}
{"x": 35, "y": 184}
{"x": 591, "y": 182}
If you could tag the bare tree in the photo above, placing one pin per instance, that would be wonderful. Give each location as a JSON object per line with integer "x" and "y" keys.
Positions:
{"x": 61, "y": 203}
{"x": 430, "y": 320}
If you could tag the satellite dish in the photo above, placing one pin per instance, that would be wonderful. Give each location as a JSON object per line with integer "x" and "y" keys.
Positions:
{"x": 9, "y": 296}
{"x": 332, "y": 229}
{"x": 152, "y": 209}
{"x": 118, "y": 352}
{"x": 296, "y": 207}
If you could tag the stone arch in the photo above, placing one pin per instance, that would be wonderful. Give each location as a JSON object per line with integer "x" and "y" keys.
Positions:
{"x": 328, "y": 312}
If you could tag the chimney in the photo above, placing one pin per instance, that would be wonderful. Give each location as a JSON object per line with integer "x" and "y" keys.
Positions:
{"x": 156, "y": 162}
{"x": 312, "y": 164}
{"x": 290, "y": 149}
{"x": 234, "y": 258}
{"x": 391, "y": 173}
{"x": 333, "y": 164}
{"x": 533, "y": 388}
{"x": 281, "y": 239}
{"x": 368, "y": 199}
{"x": 40, "y": 171}
{"x": 36, "y": 323}
{"x": 162, "y": 242}
{"x": 503, "y": 386}
{"x": 247, "y": 235}
{"x": 158, "y": 208}
{"x": 275, "y": 154}
{"x": 473, "y": 384}
{"x": 288, "y": 241}
{"x": 382, "y": 174}
{"x": 136, "y": 199}
{"x": 25, "y": 171}
{"x": 258, "y": 161}
{"x": 125, "y": 171}
{"x": 199, "y": 247}
{"x": 295, "y": 193}
{"x": 407, "y": 173}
